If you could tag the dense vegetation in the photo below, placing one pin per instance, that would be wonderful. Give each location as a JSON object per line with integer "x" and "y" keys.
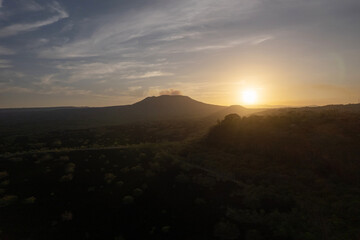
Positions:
{"x": 302, "y": 166}
{"x": 126, "y": 134}
{"x": 286, "y": 175}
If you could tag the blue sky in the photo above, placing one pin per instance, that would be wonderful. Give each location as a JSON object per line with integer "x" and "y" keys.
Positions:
{"x": 98, "y": 53}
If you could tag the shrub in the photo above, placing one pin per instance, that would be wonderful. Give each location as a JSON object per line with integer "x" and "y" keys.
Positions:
{"x": 47, "y": 169}
{"x": 200, "y": 201}
{"x": 66, "y": 178}
{"x": 3, "y": 174}
{"x": 46, "y": 157}
{"x": 119, "y": 183}
{"x": 149, "y": 173}
{"x": 226, "y": 230}
{"x": 137, "y": 168}
{"x": 137, "y": 192}
{"x": 67, "y": 216}
{"x": 124, "y": 170}
{"x": 205, "y": 181}
{"x": 182, "y": 178}
{"x": 109, "y": 177}
{"x": 253, "y": 235}
{"x": 70, "y": 167}
{"x": 5, "y": 183}
{"x": 64, "y": 158}
{"x": 30, "y": 200}
{"x": 165, "y": 229}
{"x": 16, "y": 159}
{"x": 128, "y": 199}
{"x": 8, "y": 199}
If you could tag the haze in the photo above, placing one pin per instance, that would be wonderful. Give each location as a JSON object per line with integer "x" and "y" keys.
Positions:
{"x": 100, "y": 53}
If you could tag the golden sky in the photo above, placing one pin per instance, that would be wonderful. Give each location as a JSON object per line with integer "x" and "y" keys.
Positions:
{"x": 289, "y": 52}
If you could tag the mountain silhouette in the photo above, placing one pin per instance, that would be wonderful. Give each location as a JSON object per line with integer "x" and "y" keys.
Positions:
{"x": 170, "y": 107}
{"x": 150, "y": 109}
{"x": 159, "y": 108}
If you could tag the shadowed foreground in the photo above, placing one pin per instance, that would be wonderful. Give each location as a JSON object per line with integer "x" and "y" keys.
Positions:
{"x": 286, "y": 175}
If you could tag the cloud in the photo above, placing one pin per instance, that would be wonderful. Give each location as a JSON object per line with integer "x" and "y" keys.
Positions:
{"x": 232, "y": 43}
{"x": 171, "y": 92}
{"x": 46, "y": 80}
{"x": 261, "y": 39}
{"x": 46, "y": 89}
{"x": 30, "y": 5}
{"x": 144, "y": 31}
{"x": 1, "y": 3}
{"x": 109, "y": 70}
{"x": 18, "y": 28}
{"x": 5, "y": 63}
{"x": 150, "y": 75}
{"x": 14, "y": 89}
{"x": 6, "y": 51}
{"x": 65, "y": 90}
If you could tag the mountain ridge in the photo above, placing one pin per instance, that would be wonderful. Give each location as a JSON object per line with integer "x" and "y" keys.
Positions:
{"x": 149, "y": 109}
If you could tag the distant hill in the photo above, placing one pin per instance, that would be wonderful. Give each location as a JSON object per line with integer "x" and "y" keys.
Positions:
{"x": 347, "y": 108}
{"x": 240, "y": 110}
{"x": 149, "y": 109}
{"x": 170, "y": 107}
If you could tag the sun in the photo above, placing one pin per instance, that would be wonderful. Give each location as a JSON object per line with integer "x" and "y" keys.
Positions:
{"x": 249, "y": 96}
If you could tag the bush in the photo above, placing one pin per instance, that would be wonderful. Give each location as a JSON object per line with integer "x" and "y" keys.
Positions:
{"x": 67, "y": 216}
{"x": 137, "y": 192}
{"x": 182, "y": 178}
{"x": 64, "y": 158}
{"x": 3, "y": 174}
{"x": 8, "y": 199}
{"x": 137, "y": 168}
{"x": 70, "y": 167}
{"x": 67, "y": 178}
{"x": 30, "y": 200}
{"x": 226, "y": 230}
{"x": 109, "y": 177}
{"x": 253, "y": 235}
{"x": 128, "y": 199}
{"x": 165, "y": 229}
{"x": 5, "y": 183}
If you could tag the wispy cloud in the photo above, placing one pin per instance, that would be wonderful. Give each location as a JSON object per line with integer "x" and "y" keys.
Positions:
{"x": 232, "y": 43}
{"x": 261, "y": 39}
{"x": 6, "y": 51}
{"x": 150, "y": 75}
{"x": 14, "y": 89}
{"x": 5, "y": 63}
{"x": 108, "y": 70}
{"x": 46, "y": 80}
{"x": 30, "y": 5}
{"x": 125, "y": 33}
{"x": 18, "y": 28}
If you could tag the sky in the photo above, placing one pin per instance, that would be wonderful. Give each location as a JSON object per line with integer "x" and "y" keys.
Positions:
{"x": 116, "y": 52}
